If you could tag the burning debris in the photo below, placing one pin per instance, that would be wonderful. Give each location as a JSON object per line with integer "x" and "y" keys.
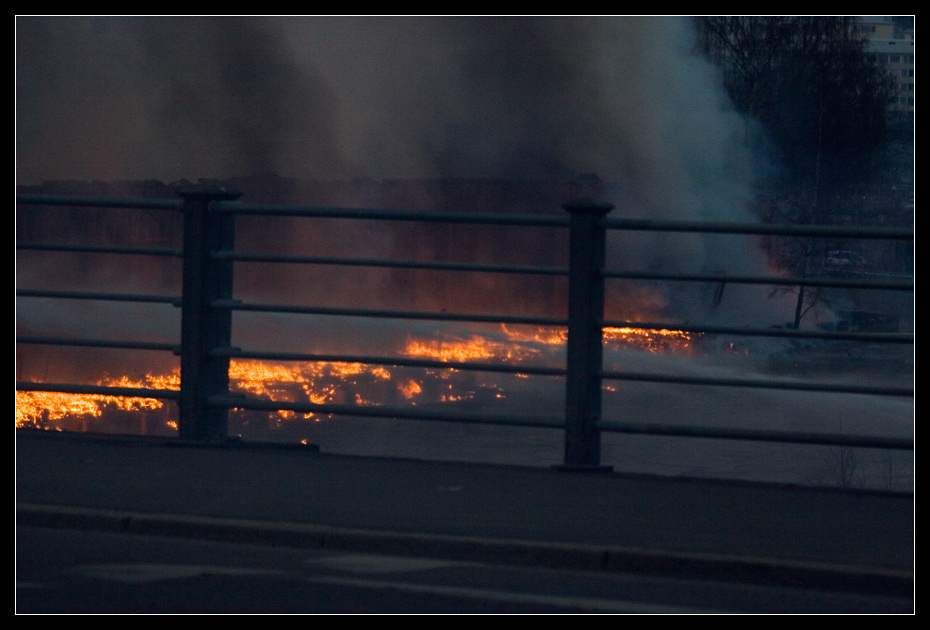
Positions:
{"x": 347, "y": 383}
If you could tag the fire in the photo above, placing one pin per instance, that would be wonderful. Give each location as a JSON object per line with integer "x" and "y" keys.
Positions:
{"x": 653, "y": 340}
{"x": 321, "y": 382}
{"x": 410, "y": 388}
{"x": 543, "y": 335}
{"x": 475, "y": 347}
{"x": 316, "y": 382}
{"x": 657, "y": 341}
{"x": 41, "y": 408}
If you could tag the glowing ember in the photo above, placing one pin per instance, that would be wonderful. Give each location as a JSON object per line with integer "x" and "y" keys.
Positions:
{"x": 654, "y": 340}
{"x": 409, "y": 388}
{"x": 40, "y": 408}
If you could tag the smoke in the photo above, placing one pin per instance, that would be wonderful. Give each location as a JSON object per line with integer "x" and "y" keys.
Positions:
{"x": 232, "y": 87}
{"x": 167, "y": 98}
{"x": 517, "y": 98}
{"x": 173, "y": 98}
{"x": 625, "y": 98}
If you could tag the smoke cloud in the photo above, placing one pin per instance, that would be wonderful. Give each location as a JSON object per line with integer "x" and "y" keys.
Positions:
{"x": 623, "y": 102}
{"x": 627, "y": 99}
{"x": 338, "y": 97}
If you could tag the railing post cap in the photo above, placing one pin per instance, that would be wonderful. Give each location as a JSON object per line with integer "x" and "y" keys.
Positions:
{"x": 587, "y": 205}
{"x": 219, "y": 193}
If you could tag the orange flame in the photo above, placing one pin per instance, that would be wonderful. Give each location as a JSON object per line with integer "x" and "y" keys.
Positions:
{"x": 652, "y": 340}
{"x": 321, "y": 382}
{"x": 475, "y": 347}
{"x": 409, "y": 388}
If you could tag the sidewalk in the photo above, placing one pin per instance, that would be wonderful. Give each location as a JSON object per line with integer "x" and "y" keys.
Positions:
{"x": 267, "y": 494}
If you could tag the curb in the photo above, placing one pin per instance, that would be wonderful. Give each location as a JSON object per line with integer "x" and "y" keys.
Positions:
{"x": 768, "y": 571}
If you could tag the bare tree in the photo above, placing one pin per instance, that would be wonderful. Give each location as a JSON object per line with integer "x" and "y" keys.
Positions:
{"x": 810, "y": 81}
{"x": 822, "y": 100}
{"x": 843, "y": 466}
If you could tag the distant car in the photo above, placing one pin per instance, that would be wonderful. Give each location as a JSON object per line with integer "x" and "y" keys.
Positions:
{"x": 840, "y": 261}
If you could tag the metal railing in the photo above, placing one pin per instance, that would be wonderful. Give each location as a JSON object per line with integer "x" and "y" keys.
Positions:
{"x": 207, "y": 304}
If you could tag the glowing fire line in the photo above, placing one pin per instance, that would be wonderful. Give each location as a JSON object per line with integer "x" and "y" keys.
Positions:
{"x": 320, "y": 382}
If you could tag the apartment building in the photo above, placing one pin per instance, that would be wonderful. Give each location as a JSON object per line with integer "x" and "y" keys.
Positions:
{"x": 893, "y": 45}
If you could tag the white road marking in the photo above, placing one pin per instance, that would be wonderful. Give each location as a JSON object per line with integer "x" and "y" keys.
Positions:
{"x": 582, "y": 603}
{"x": 141, "y": 573}
{"x": 366, "y": 563}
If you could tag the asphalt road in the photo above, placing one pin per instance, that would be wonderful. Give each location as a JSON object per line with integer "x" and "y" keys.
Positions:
{"x": 85, "y": 571}
{"x": 660, "y": 544}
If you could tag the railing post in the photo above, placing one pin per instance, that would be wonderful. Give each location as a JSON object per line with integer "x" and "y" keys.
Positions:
{"x": 585, "y": 335}
{"x": 203, "y": 327}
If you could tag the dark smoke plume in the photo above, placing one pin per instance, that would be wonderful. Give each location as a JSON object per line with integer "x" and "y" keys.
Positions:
{"x": 171, "y": 98}
{"x": 233, "y": 87}
{"x": 167, "y": 98}
{"x": 625, "y": 102}
{"x": 621, "y": 102}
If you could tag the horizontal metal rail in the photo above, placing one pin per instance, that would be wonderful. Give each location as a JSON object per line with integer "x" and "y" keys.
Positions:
{"x": 841, "y": 283}
{"x": 478, "y": 218}
{"x": 235, "y": 305}
{"x": 101, "y": 343}
{"x": 100, "y": 249}
{"x": 99, "y": 390}
{"x": 399, "y": 264}
{"x": 438, "y": 412}
{"x": 903, "y": 338}
{"x": 907, "y": 285}
{"x": 561, "y": 271}
{"x": 475, "y": 218}
{"x": 443, "y": 415}
{"x": 761, "y": 229}
{"x": 86, "y": 201}
{"x": 108, "y": 297}
{"x": 759, "y": 383}
{"x": 755, "y": 435}
{"x": 208, "y": 303}
{"x": 235, "y": 353}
